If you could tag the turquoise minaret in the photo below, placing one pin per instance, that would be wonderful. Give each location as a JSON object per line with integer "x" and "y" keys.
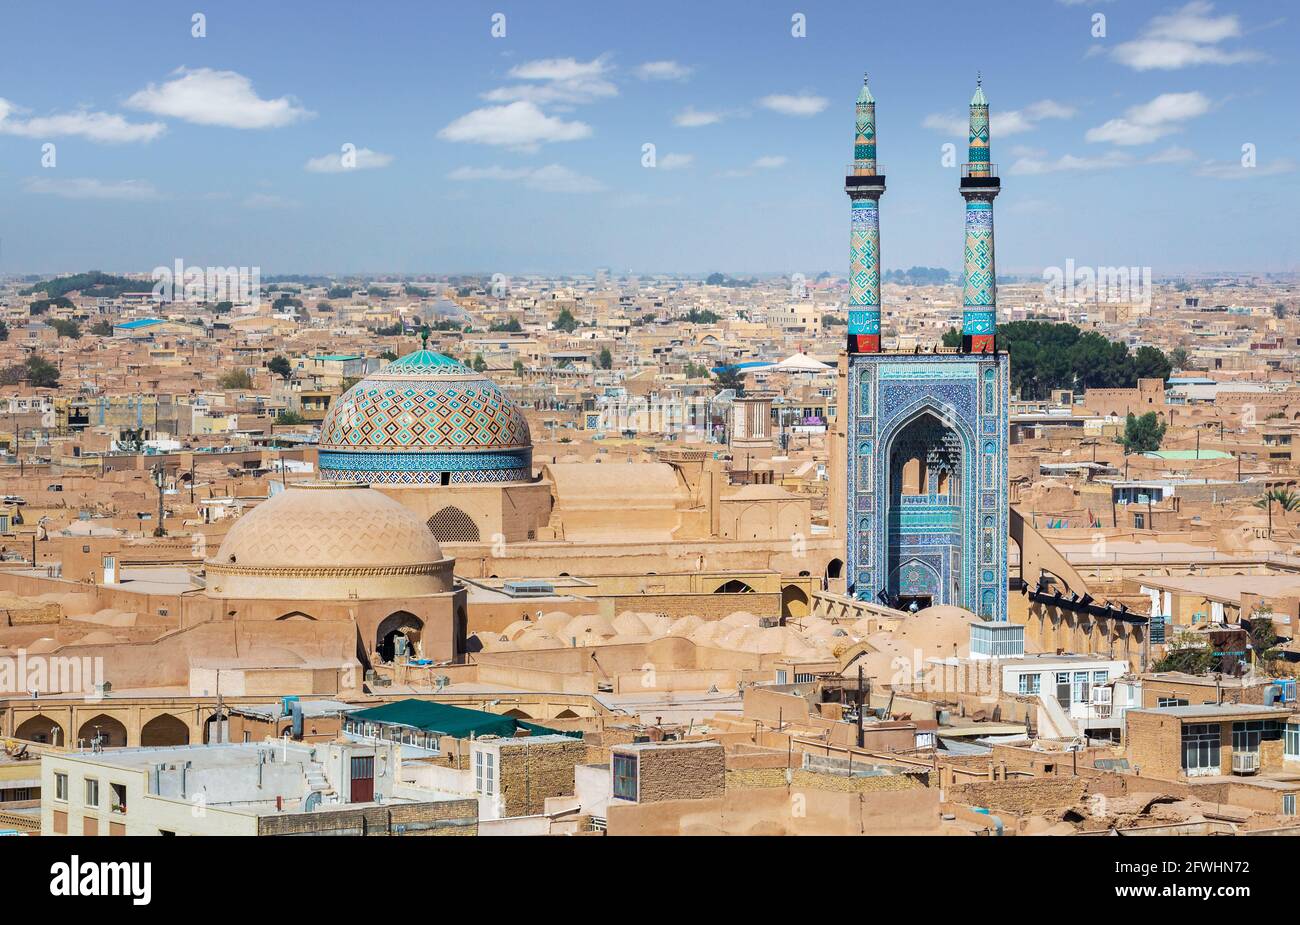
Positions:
{"x": 979, "y": 187}
{"x": 865, "y": 185}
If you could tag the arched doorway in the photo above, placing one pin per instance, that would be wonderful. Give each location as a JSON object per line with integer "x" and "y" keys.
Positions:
{"x": 164, "y": 730}
{"x": 398, "y": 634}
{"x": 102, "y": 731}
{"x": 926, "y": 470}
{"x": 794, "y": 602}
{"x": 216, "y": 729}
{"x": 834, "y": 568}
{"x": 40, "y": 728}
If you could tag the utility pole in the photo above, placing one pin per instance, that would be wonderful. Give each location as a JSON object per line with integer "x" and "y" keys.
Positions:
{"x": 861, "y": 707}
{"x": 159, "y": 477}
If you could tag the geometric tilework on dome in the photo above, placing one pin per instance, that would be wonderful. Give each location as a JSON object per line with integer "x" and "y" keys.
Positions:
{"x": 425, "y": 403}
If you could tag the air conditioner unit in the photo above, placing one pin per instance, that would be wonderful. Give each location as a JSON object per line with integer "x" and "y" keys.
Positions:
{"x": 1245, "y": 762}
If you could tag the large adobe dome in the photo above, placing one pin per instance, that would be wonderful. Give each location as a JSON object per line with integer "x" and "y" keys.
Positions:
{"x": 425, "y": 419}
{"x": 328, "y": 542}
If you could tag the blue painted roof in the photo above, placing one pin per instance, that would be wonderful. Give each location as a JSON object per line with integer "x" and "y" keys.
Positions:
{"x": 140, "y": 323}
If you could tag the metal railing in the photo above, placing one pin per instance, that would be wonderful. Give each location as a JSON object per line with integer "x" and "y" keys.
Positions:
{"x": 979, "y": 170}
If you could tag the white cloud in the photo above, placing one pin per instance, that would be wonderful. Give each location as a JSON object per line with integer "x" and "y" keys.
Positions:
{"x": 560, "y": 69}
{"x": 1002, "y": 122}
{"x": 90, "y": 188}
{"x": 690, "y": 117}
{"x": 557, "y": 81}
{"x": 675, "y": 161}
{"x": 794, "y": 104}
{"x": 365, "y": 159}
{"x": 663, "y": 70}
{"x": 1070, "y": 163}
{"x": 519, "y": 125}
{"x": 1148, "y": 122}
{"x": 1186, "y": 37}
{"x": 1233, "y": 170}
{"x": 1172, "y": 155}
{"x": 207, "y": 97}
{"x": 553, "y": 178}
{"x": 105, "y": 127}
{"x": 766, "y": 162}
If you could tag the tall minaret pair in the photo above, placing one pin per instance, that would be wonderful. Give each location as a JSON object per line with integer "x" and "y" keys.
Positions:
{"x": 979, "y": 186}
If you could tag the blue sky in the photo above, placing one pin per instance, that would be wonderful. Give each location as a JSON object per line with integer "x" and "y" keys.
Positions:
{"x": 524, "y": 153}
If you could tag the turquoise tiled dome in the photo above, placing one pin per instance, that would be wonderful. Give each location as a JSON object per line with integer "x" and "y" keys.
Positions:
{"x": 425, "y": 419}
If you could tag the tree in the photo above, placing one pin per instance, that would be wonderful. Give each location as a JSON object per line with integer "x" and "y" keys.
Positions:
{"x": 236, "y": 379}
{"x": 507, "y": 327}
{"x": 606, "y": 359}
{"x": 730, "y": 377}
{"x": 4, "y": 331}
{"x": 1151, "y": 363}
{"x": 41, "y": 373}
{"x": 1187, "y": 654}
{"x": 66, "y": 328}
{"x": 102, "y": 328}
{"x": 131, "y": 440}
{"x": 1284, "y": 498}
{"x": 952, "y": 338}
{"x": 1263, "y": 638}
{"x": 281, "y": 367}
{"x": 1178, "y": 358}
{"x": 387, "y": 355}
{"x": 1279, "y": 310}
{"x": 290, "y": 417}
{"x": 224, "y": 307}
{"x": 519, "y": 367}
{"x": 480, "y": 364}
{"x": 566, "y": 322}
{"x": 1142, "y": 434}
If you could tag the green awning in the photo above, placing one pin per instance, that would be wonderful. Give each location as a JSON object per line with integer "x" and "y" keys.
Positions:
{"x": 445, "y": 719}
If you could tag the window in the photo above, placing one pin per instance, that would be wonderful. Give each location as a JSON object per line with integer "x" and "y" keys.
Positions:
{"x": 61, "y": 787}
{"x": 92, "y": 792}
{"x": 781, "y": 676}
{"x": 1246, "y": 736}
{"x": 624, "y": 770}
{"x": 1172, "y": 702}
{"x": 117, "y": 798}
{"x": 1201, "y": 749}
{"x": 1081, "y": 687}
{"x": 1292, "y": 748}
{"x": 1063, "y": 688}
{"x": 1288, "y": 804}
{"x": 1100, "y": 677}
{"x": 485, "y": 773}
{"x": 1031, "y": 683}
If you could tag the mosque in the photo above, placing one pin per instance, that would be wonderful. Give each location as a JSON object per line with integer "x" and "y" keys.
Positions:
{"x": 927, "y": 497}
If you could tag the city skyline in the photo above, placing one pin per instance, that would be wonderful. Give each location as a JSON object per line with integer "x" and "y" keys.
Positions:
{"x": 525, "y": 153}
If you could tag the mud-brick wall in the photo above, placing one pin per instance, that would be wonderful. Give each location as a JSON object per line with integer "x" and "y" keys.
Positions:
{"x": 441, "y": 817}
{"x": 530, "y": 773}
{"x": 685, "y": 772}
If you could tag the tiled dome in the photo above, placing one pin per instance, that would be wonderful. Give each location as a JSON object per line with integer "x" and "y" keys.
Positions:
{"x": 425, "y": 419}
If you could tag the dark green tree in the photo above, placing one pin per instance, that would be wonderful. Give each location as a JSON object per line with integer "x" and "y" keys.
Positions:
{"x": 281, "y": 367}
{"x": 606, "y": 358}
{"x": 1151, "y": 363}
{"x": 566, "y": 322}
{"x": 41, "y": 373}
{"x": 730, "y": 377}
{"x": 1142, "y": 434}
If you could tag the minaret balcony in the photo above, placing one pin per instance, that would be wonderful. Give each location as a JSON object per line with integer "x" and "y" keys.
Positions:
{"x": 980, "y": 176}
{"x": 864, "y": 177}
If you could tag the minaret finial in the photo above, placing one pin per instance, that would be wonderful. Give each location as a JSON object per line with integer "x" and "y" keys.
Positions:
{"x": 979, "y": 78}
{"x": 424, "y": 337}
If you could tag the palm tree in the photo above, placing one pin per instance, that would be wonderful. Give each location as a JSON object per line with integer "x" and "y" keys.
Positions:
{"x": 1284, "y": 498}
